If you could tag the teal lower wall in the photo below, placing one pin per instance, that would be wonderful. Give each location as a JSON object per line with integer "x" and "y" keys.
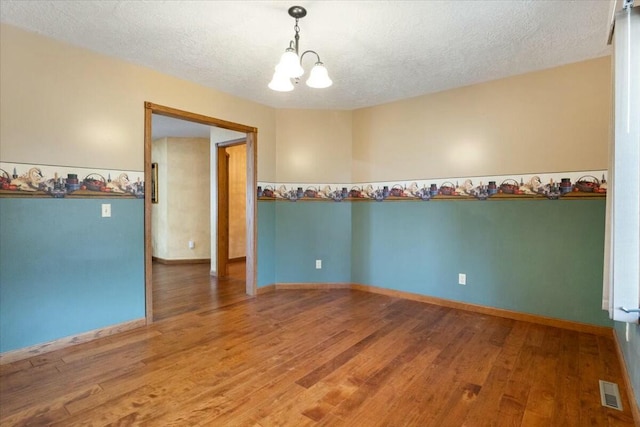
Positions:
{"x": 532, "y": 256}
{"x": 538, "y": 257}
{"x": 65, "y": 270}
{"x": 308, "y": 231}
{"x": 266, "y": 243}
{"x": 631, "y": 353}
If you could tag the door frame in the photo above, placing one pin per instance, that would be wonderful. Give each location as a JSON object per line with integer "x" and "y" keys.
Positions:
{"x": 251, "y": 204}
{"x": 223, "y": 205}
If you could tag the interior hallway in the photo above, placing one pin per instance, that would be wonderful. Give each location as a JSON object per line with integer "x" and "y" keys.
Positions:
{"x": 184, "y": 288}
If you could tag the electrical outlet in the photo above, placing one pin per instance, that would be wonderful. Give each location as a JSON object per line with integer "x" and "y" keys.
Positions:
{"x": 318, "y": 264}
{"x": 192, "y": 244}
{"x": 106, "y": 210}
{"x": 462, "y": 279}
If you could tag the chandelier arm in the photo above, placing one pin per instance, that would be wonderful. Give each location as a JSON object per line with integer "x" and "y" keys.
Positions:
{"x": 309, "y": 51}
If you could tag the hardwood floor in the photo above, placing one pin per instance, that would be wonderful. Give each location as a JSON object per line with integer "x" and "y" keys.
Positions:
{"x": 183, "y": 288}
{"x": 317, "y": 357}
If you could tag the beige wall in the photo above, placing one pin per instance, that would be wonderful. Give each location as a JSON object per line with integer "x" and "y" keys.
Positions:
{"x": 313, "y": 146}
{"x": 237, "y": 201}
{"x": 552, "y": 120}
{"x": 91, "y": 107}
{"x": 159, "y": 228}
{"x": 182, "y": 212}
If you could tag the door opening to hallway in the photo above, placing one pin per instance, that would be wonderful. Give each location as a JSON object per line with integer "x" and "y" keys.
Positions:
{"x": 221, "y": 278}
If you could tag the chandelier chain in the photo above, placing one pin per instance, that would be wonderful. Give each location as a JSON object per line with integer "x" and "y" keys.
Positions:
{"x": 296, "y": 28}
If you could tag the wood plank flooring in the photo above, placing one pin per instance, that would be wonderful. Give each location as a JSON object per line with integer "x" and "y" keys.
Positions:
{"x": 315, "y": 358}
{"x": 179, "y": 289}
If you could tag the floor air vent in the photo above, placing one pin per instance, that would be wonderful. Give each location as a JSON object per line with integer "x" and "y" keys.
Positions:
{"x": 610, "y": 395}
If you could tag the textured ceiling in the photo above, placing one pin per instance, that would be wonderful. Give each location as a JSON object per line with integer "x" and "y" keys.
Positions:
{"x": 375, "y": 51}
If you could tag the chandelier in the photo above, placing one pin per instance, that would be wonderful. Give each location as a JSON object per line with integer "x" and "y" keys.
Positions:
{"x": 290, "y": 65}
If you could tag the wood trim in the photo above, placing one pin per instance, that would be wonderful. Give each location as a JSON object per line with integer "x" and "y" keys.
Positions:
{"x": 232, "y": 143}
{"x": 181, "y": 261}
{"x": 266, "y": 289}
{"x": 238, "y": 259}
{"x": 492, "y": 311}
{"x": 198, "y": 118}
{"x": 297, "y": 286}
{"x": 222, "y": 234}
{"x": 635, "y": 410}
{"x": 38, "y": 349}
{"x": 251, "y": 269}
{"x": 224, "y": 205}
{"x": 148, "y": 250}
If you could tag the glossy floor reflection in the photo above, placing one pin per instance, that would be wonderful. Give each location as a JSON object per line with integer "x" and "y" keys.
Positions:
{"x": 184, "y": 288}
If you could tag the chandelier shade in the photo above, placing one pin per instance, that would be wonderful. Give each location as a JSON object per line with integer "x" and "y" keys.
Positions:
{"x": 281, "y": 82}
{"x": 290, "y": 66}
{"x": 319, "y": 77}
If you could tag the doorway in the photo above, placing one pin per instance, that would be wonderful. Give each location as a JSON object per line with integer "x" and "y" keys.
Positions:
{"x": 231, "y": 205}
{"x": 217, "y": 192}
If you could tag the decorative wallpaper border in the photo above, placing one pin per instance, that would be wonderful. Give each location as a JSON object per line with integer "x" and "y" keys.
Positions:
{"x": 551, "y": 186}
{"x": 29, "y": 180}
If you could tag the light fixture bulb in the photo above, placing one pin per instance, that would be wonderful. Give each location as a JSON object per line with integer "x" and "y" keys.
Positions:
{"x": 280, "y": 82}
{"x": 289, "y": 64}
{"x": 319, "y": 77}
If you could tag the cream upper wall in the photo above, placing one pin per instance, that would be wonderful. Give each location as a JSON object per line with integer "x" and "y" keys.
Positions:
{"x": 183, "y": 209}
{"x": 552, "y": 120}
{"x": 187, "y": 195}
{"x": 159, "y": 228}
{"x": 65, "y": 105}
{"x": 313, "y": 146}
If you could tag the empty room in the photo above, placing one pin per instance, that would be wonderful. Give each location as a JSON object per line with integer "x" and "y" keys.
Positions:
{"x": 331, "y": 213}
